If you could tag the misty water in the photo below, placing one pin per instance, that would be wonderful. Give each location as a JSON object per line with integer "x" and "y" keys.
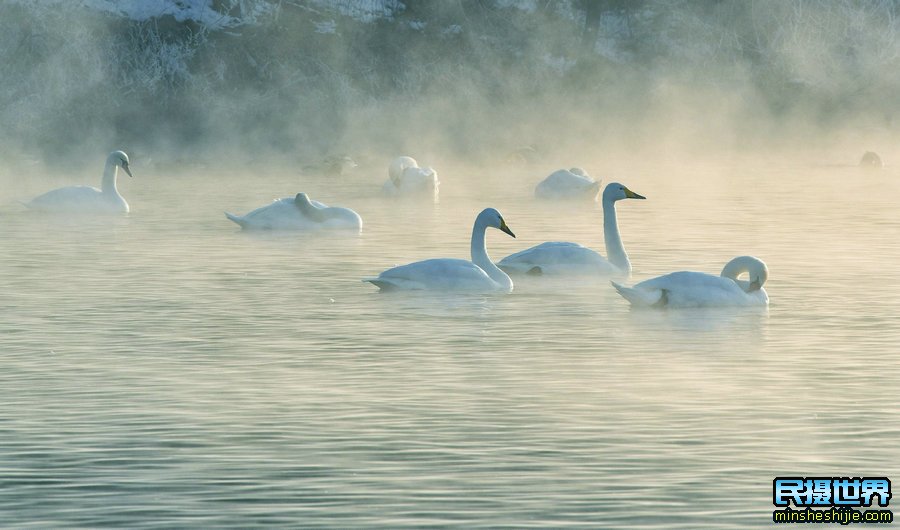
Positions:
{"x": 164, "y": 369}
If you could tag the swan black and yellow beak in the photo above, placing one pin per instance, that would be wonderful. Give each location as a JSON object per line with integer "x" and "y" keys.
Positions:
{"x": 125, "y": 167}
{"x": 504, "y": 228}
{"x": 632, "y": 195}
{"x": 754, "y": 286}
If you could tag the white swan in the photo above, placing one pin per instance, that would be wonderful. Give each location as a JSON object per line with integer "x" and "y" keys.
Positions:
{"x": 407, "y": 178}
{"x": 557, "y": 257}
{"x": 87, "y": 199}
{"x": 447, "y": 274}
{"x": 298, "y": 213}
{"x": 568, "y": 184}
{"x": 698, "y": 289}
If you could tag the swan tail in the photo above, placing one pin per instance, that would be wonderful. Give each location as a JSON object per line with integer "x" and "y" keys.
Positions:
{"x": 381, "y": 284}
{"x": 513, "y": 268}
{"x": 642, "y": 297}
{"x": 237, "y": 219}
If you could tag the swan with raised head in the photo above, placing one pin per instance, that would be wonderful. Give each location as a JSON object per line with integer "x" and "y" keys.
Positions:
{"x": 572, "y": 183}
{"x": 448, "y": 274}
{"x": 558, "y": 257}
{"x": 407, "y": 178}
{"x": 298, "y": 213}
{"x": 87, "y": 199}
{"x": 699, "y": 289}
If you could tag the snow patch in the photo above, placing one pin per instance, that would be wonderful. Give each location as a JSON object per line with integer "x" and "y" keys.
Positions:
{"x": 198, "y": 11}
{"x": 529, "y": 6}
{"x": 363, "y": 10}
{"x": 326, "y": 27}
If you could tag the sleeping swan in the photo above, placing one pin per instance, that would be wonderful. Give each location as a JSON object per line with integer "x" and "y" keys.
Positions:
{"x": 448, "y": 274}
{"x": 698, "y": 289}
{"x": 298, "y": 213}
{"x": 555, "y": 257}
{"x": 568, "y": 184}
{"x": 87, "y": 199}
{"x": 407, "y": 178}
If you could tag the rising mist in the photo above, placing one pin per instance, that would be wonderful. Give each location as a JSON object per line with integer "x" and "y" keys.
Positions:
{"x": 295, "y": 81}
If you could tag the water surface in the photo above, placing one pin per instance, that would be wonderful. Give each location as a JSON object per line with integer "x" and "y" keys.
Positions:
{"x": 166, "y": 370}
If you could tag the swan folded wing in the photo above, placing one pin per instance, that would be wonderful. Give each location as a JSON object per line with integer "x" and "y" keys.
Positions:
{"x": 280, "y": 214}
{"x": 697, "y": 289}
{"x": 79, "y": 199}
{"x": 413, "y": 181}
{"x": 337, "y": 217}
{"x": 558, "y": 256}
{"x": 436, "y": 274}
{"x": 69, "y": 196}
{"x": 419, "y": 178}
{"x": 564, "y": 183}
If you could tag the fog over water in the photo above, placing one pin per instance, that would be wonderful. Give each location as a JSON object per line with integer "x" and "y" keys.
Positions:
{"x": 165, "y": 369}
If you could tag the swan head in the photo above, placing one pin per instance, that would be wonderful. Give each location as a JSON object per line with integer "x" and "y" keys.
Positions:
{"x": 119, "y": 158}
{"x": 616, "y": 192}
{"x": 754, "y": 267}
{"x": 301, "y": 199}
{"x": 398, "y": 166}
{"x": 492, "y": 218}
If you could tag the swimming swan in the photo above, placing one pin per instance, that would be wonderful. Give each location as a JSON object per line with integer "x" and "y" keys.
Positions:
{"x": 87, "y": 199}
{"x": 870, "y": 160}
{"x": 698, "y": 289}
{"x": 568, "y": 184}
{"x": 447, "y": 274}
{"x": 407, "y": 178}
{"x": 555, "y": 257}
{"x": 298, "y": 213}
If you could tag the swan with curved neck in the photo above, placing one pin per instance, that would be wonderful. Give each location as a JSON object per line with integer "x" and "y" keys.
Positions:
{"x": 298, "y": 213}
{"x": 87, "y": 199}
{"x": 557, "y": 257}
{"x": 699, "y": 289}
{"x": 572, "y": 183}
{"x": 405, "y": 177}
{"x": 448, "y": 274}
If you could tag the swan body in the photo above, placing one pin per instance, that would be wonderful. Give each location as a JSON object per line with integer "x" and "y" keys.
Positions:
{"x": 87, "y": 199}
{"x": 568, "y": 184}
{"x": 406, "y": 178}
{"x": 447, "y": 274}
{"x": 298, "y": 213}
{"x": 870, "y": 160}
{"x": 698, "y": 289}
{"x": 573, "y": 259}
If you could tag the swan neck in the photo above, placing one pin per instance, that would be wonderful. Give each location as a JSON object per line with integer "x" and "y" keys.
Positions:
{"x": 480, "y": 256}
{"x": 754, "y": 268}
{"x": 615, "y": 251}
{"x": 110, "y": 172}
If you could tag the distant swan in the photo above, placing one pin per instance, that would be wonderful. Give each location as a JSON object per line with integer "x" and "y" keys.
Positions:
{"x": 571, "y": 258}
{"x": 87, "y": 199}
{"x": 447, "y": 274}
{"x": 568, "y": 184}
{"x": 298, "y": 213}
{"x": 407, "y": 178}
{"x": 870, "y": 160}
{"x": 698, "y": 289}
{"x": 333, "y": 166}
